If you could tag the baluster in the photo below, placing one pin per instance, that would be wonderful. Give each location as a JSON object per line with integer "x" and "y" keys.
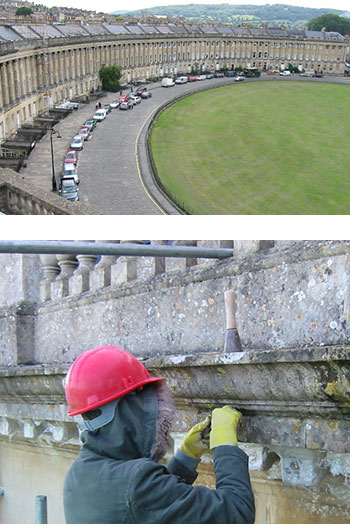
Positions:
{"x": 50, "y": 270}
{"x": 79, "y": 282}
{"x": 100, "y": 276}
{"x": 214, "y": 243}
{"x": 67, "y": 264}
{"x": 181, "y": 264}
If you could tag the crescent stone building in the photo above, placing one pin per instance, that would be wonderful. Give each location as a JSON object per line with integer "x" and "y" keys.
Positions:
{"x": 45, "y": 65}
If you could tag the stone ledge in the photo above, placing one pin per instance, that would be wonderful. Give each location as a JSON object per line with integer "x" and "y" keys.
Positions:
{"x": 18, "y": 197}
{"x": 300, "y": 398}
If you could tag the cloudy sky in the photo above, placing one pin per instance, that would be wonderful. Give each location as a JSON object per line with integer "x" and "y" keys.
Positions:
{"x": 109, "y": 6}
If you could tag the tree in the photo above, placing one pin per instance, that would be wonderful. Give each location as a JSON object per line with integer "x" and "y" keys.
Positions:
{"x": 24, "y": 11}
{"x": 330, "y": 22}
{"x": 110, "y": 77}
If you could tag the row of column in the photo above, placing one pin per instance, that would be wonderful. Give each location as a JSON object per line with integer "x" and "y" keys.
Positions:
{"x": 65, "y": 275}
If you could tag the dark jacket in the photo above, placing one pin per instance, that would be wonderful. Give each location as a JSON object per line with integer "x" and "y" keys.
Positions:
{"x": 114, "y": 480}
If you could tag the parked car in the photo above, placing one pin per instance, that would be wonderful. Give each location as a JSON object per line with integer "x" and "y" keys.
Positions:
{"x": 134, "y": 98}
{"x": 239, "y": 78}
{"x": 181, "y": 80}
{"x": 210, "y": 76}
{"x": 285, "y": 72}
{"x": 69, "y": 170}
{"x": 122, "y": 98}
{"x": 139, "y": 90}
{"x": 318, "y": 74}
{"x": 71, "y": 157}
{"x": 107, "y": 108}
{"x": 84, "y": 132}
{"x": 126, "y": 105}
{"x": 192, "y": 78}
{"x": 91, "y": 124}
{"x": 201, "y": 77}
{"x": 68, "y": 189}
{"x": 114, "y": 104}
{"x": 306, "y": 74}
{"x": 100, "y": 115}
{"x": 146, "y": 94}
{"x": 77, "y": 143}
{"x": 219, "y": 74}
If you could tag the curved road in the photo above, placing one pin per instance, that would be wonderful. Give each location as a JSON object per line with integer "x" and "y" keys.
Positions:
{"x": 115, "y": 178}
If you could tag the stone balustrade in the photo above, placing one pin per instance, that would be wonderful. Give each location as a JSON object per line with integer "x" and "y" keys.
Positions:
{"x": 69, "y": 275}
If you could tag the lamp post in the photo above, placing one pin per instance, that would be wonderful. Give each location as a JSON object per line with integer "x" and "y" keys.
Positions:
{"x": 54, "y": 183}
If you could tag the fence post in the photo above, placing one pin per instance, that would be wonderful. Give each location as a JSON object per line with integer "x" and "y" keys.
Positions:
{"x": 40, "y": 509}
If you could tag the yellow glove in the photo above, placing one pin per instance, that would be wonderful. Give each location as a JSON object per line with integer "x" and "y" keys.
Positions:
{"x": 195, "y": 444}
{"x": 224, "y": 423}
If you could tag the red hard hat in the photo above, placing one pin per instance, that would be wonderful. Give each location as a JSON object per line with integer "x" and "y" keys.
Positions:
{"x": 101, "y": 375}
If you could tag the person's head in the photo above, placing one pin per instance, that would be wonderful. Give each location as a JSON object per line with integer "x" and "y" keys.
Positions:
{"x": 99, "y": 378}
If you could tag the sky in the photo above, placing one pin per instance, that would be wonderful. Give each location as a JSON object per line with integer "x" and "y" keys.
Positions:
{"x": 110, "y": 6}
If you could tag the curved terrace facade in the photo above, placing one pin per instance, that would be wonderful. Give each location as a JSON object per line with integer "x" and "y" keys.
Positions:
{"x": 44, "y": 65}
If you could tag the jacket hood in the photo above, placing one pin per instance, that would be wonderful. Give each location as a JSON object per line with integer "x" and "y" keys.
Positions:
{"x": 140, "y": 427}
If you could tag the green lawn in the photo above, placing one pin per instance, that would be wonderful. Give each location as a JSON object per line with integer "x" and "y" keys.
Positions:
{"x": 268, "y": 147}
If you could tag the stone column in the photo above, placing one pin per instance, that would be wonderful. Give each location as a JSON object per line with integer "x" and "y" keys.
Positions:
{"x": 125, "y": 270}
{"x": 181, "y": 264}
{"x": 5, "y": 84}
{"x": 67, "y": 264}
{"x": 11, "y": 81}
{"x": 79, "y": 282}
{"x": 149, "y": 266}
{"x": 50, "y": 270}
{"x": 100, "y": 276}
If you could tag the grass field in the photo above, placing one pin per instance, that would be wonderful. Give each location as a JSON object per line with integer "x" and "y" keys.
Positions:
{"x": 269, "y": 148}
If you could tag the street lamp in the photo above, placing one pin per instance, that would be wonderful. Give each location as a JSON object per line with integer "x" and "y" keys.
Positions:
{"x": 54, "y": 183}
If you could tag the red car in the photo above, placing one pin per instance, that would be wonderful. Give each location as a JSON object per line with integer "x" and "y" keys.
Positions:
{"x": 140, "y": 90}
{"x": 71, "y": 158}
{"x": 192, "y": 79}
{"x": 123, "y": 98}
{"x": 85, "y": 133}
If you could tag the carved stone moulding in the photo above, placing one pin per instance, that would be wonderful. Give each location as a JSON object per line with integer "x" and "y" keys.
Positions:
{"x": 289, "y": 398}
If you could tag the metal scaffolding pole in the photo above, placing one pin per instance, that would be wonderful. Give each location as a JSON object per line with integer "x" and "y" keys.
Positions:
{"x": 112, "y": 249}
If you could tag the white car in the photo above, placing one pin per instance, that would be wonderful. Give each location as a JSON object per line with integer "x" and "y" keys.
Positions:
{"x": 134, "y": 98}
{"x": 114, "y": 104}
{"x": 69, "y": 170}
{"x": 285, "y": 72}
{"x": 77, "y": 143}
{"x": 100, "y": 115}
{"x": 239, "y": 78}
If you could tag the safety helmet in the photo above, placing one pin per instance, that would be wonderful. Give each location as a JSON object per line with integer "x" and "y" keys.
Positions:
{"x": 102, "y": 375}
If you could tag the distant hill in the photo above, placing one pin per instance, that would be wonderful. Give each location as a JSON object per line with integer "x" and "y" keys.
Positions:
{"x": 272, "y": 15}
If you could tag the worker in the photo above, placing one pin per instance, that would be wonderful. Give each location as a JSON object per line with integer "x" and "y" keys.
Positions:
{"x": 126, "y": 421}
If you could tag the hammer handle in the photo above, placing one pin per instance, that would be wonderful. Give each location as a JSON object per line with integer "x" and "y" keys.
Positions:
{"x": 230, "y": 306}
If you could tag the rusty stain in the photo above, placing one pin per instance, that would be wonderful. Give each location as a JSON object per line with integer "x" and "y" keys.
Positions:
{"x": 297, "y": 426}
{"x": 330, "y": 389}
{"x": 313, "y": 326}
{"x": 299, "y": 316}
{"x": 52, "y": 406}
{"x": 332, "y": 425}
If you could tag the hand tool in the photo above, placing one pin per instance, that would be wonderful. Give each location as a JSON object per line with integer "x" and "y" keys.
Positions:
{"x": 232, "y": 339}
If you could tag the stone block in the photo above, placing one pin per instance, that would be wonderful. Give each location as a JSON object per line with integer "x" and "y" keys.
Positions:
{"x": 78, "y": 283}
{"x": 60, "y": 289}
{"x": 100, "y": 277}
{"x": 148, "y": 267}
{"x": 125, "y": 270}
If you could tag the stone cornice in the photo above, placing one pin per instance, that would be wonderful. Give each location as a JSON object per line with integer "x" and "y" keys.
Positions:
{"x": 300, "y": 397}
